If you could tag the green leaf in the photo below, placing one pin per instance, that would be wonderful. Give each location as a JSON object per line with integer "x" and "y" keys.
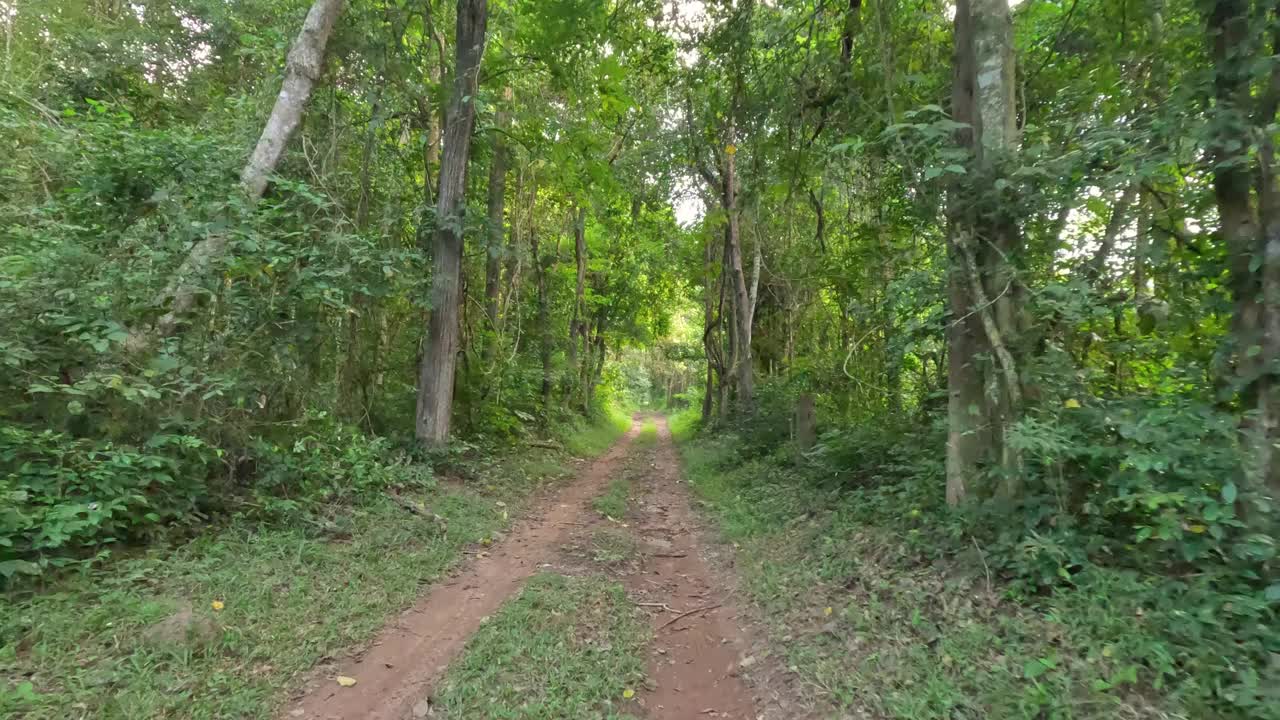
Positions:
{"x": 1272, "y": 593}
{"x": 1229, "y": 492}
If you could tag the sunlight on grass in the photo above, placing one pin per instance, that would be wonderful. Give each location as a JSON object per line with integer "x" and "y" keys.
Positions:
{"x": 594, "y": 438}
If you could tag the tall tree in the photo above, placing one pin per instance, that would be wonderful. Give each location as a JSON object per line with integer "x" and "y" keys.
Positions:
{"x": 494, "y": 242}
{"x": 982, "y": 239}
{"x": 439, "y": 361}
{"x": 1247, "y": 192}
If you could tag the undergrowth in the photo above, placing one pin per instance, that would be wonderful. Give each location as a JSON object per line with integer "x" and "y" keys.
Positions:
{"x": 141, "y": 637}
{"x": 893, "y": 604}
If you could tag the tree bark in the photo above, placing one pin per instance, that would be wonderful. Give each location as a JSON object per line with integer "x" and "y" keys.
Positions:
{"x": 544, "y": 320}
{"x": 495, "y": 243}
{"x": 439, "y": 362}
{"x": 577, "y": 323}
{"x": 742, "y": 307}
{"x": 1251, "y": 232}
{"x": 983, "y": 314}
{"x": 708, "y": 326}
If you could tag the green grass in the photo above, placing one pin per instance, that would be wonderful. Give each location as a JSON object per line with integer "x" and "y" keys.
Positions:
{"x": 611, "y": 546}
{"x": 566, "y": 647}
{"x": 648, "y": 436}
{"x": 878, "y": 631}
{"x": 291, "y": 597}
{"x": 613, "y": 503}
{"x": 594, "y": 438}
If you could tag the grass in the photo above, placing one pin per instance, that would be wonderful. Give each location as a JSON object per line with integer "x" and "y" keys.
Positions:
{"x": 878, "y": 631}
{"x": 613, "y": 503}
{"x": 566, "y": 647}
{"x": 648, "y": 436}
{"x": 594, "y": 438}
{"x": 290, "y": 596}
{"x": 612, "y": 546}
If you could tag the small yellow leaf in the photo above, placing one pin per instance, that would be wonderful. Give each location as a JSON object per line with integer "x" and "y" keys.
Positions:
{"x": 1071, "y": 403}
{"x": 1197, "y": 529}
{"x": 217, "y": 605}
{"x": 628, "y": 693}
{"x": 826, "y": 611}
{"x": 345, "y": 681}
{"x": 731, "y": 149}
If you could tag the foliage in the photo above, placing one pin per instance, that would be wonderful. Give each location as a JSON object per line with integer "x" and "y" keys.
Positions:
{"x": 290, "y": 386}
{"x": 1135, "y": 643}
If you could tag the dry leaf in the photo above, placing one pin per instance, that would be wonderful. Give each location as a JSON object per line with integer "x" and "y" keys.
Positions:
{"x": 628, "y": 693}
{"x": 345, "y": 681}
{"x": 216, "y": 605}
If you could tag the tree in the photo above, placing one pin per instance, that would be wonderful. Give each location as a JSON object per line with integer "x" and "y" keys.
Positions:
{"x": 982, "y": 239}
{"x": 303, "y": 69}
{"x": 439, "y": 361}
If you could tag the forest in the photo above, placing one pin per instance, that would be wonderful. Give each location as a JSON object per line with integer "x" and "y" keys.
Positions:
{"x": 964, "y": 316}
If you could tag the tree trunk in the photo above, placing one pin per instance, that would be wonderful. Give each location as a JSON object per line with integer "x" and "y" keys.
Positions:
{"x": 577, "y": 324}
{"x": 983, "y": 317}
{"x": 435, "y": 384}
{"x": 544, "y": 320}
{"x": 1250, "y": 232}
{"x": 494, "y": 244}
{"x": 742, "y": 305}
{"x": 303, "y": 68}
{"x": 708, "y": 325}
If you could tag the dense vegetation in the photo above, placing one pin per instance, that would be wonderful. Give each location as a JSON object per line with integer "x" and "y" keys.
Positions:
{"x": 290, "y": 378}
{"x": 1001, "y": 282}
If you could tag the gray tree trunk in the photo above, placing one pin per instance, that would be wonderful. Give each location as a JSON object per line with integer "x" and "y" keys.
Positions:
{"x": 742, "y": 305}
{"x": 303, "y": 68}
{"x": 983, "y": 317}
{"x": 439, "y": 361}
{"x": 494, "y": 244}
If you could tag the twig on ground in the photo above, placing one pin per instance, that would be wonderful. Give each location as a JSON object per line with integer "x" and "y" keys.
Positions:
{"x": 983, "y": 558}
{"x": 686, "y": 614}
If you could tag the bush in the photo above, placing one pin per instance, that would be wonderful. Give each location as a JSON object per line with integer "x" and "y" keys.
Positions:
{"x": 67, "y": 498}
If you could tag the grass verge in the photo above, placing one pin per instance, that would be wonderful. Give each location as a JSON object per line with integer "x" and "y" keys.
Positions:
{"x": 878, "y": 630}
{"x": 214, "y": 628}
{"x": 593, "y": 438}
{"x": 566, "y": 647}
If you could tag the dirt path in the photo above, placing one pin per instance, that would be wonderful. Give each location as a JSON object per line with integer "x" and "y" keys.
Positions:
{"x": 699, "y": 649}
{"x": 702, "y": 663}
{"x": 399, "y": 669}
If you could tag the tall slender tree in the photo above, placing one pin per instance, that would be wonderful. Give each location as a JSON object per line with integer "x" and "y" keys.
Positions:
{"x": 439, "y": 361}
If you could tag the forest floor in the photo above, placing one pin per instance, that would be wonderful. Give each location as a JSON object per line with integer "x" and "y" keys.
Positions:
{"x": 605, "y": 602}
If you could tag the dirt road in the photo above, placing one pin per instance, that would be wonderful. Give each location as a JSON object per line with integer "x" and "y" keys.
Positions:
{"x": 700, "y": 659}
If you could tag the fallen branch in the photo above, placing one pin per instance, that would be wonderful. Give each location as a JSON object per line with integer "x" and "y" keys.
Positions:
{"x": 686, "y": 614}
